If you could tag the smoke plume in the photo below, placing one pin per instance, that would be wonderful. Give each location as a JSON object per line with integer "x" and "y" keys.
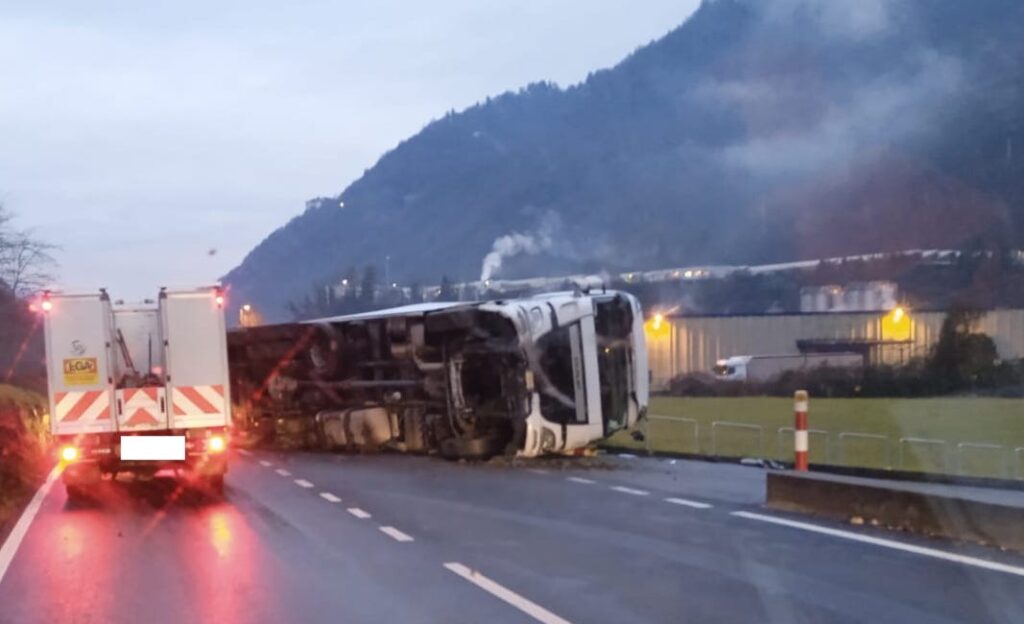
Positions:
{"x": 530, "y": 243}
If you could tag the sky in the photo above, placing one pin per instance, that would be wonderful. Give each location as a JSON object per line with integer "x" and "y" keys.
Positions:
{"x": 157, "y": 145}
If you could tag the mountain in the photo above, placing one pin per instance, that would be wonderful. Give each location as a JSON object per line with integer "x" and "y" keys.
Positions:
{"x": 757, "y": 131}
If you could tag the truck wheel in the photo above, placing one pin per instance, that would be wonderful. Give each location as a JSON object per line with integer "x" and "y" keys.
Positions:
{"x": 472, "y": 448}
{"x": 215, "y": 485}
{"x": 77, "y": 495}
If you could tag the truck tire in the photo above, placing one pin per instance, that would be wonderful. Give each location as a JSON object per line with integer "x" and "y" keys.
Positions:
{"x": 77, "y": 495}
{"x": 469, "y": 448}
{"x": 215, "y": 485}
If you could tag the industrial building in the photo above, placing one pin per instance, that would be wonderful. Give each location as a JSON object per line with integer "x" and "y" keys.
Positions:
{"x": 679, "y": 345}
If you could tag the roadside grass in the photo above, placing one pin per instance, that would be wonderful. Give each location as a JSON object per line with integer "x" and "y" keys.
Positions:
{"x": 952, "y": 435}
{"x": 23, "y": 444}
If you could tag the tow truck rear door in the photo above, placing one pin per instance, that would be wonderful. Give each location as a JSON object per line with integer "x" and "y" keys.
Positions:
{"x": 139, "y": 408}
{"x": 195, "y": 351}
{"x": 78, "y": 363}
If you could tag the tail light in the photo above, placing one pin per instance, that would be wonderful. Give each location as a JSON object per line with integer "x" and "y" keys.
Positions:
{"x": 69, "y": 454}
{"x": 216, "y": 444}
{"x": 219, "y": 298}
{"x": 44, "y": 303}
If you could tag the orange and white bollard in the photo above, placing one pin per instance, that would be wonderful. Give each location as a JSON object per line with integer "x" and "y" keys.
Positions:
{"x": 800, "y": 444}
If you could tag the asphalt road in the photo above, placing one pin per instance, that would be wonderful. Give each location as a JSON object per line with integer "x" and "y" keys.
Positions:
{"x": 323, "y": 538}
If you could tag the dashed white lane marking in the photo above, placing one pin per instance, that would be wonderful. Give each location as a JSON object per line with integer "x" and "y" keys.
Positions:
{"x": 358, "y": 513}
{"x": 10, "y": 547}
{"x": 303, "y": 483}
{"x": 330, "y": 498}
{"x": 581, "y": 480}
{"x": 540, "y": 471}
{"x": 528, "y": 607}
{"x": 688, "y": 503}
{"x": 283, "y": 472}
{"x": 626, "y": 490}
{"x": 245, "y": 452}
{"x": 877, "y": 541}
{"x": 265, "y": 463}
{"x": 395, "y": 534}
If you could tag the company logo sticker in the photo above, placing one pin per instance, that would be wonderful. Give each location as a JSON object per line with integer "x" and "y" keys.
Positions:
{"x": 81, "y": 372}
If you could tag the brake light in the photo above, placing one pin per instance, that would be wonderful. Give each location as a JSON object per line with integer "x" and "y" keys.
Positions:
{"x": 46, "y": 305}
{"x": 219, "y": 298}
{"x": 216, "y": 444}
{"x": 69, "y": 453}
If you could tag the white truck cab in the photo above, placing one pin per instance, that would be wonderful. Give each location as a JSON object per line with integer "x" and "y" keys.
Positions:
{"x": 589, "y": 377}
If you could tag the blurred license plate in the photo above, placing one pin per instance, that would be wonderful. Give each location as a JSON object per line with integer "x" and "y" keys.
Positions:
{"x": 153, "y": 448}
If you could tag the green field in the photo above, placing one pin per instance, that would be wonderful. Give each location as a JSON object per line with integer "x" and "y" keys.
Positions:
{"x": 969, "y": 436}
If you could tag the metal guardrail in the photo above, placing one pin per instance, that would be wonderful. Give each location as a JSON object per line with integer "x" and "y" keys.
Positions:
{"x": 849, "y": 435}
{"x": 1004, "y": 464}
{"x": 839, "y": 453}
{"x": 810, "y": 432}
{"x": 926, "y": 441}
{"x": 719, "y": 424}
{"x": 679, "y": 419}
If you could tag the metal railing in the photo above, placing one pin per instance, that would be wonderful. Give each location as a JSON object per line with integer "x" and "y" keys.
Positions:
{"x": 913, "y": 453}
{"x": 680, "y": 419}
{"x": 726, "y": 424}
{"x": 942, "y": 444}
{"x": 850, "y": 435}
{"x": 1004, "y": 463}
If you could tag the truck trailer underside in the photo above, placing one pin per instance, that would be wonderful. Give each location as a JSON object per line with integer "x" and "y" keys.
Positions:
{"x": 453, "y": 381}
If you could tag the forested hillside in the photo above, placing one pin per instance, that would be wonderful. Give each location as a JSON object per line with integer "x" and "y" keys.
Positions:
{"x": 757, "y": 131}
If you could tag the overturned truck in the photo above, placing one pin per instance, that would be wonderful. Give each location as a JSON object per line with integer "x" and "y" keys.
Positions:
{"x": 546, "y": 374}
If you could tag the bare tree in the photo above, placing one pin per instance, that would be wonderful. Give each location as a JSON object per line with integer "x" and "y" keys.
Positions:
{"x": 26, "y": 263}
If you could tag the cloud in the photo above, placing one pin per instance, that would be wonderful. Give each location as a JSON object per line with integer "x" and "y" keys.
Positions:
{"x": 192, "y": 125}
{"x": 848, "y": 19}
{"x": 887, "y": 109}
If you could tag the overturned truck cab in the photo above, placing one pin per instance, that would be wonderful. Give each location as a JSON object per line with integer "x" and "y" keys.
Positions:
{"x": 546, "y": 374}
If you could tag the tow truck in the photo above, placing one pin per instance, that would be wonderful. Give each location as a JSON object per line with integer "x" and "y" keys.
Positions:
{"x": 138, "y": 388}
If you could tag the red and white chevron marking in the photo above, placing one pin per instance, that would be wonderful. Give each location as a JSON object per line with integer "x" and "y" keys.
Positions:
{"x": 198, "y": 400}
{"x": 140, "y": 407}
{"x": 81, "y": 406}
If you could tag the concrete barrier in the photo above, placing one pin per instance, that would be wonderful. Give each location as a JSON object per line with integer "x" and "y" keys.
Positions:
{"x": 993, "y": 517}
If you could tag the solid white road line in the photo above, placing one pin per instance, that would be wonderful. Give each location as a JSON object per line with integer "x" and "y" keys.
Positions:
{"x": 330, "y": 498}
{"x": 358, "y": 513}
{"x": 580, "y": 480}
{"x": 396, "y": 534}
{"x": 626, "y": 490}
{"x": 687, "y": 503}
{"x": 877, "y": 541}
{"x": 10, "y": 547}
{"x": 283, "y": 472}
{"x": 245, "y": 452}
{"x": 528, "y": 607}
{"x": 303, "y": 483}
{"x": 265, "y": 463}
